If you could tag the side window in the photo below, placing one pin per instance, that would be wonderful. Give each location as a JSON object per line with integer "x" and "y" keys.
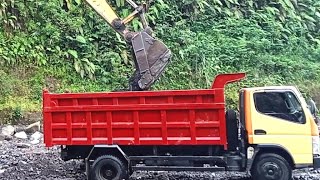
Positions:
{"x": 283, "y": 105}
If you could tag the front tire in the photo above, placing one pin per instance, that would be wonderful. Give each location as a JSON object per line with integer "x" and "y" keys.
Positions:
{"x": 271, "y": 167}
{"x": 108, "y": 168}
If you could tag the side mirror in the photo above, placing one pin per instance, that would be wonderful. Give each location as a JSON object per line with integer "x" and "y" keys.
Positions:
{"x": 313, "y": 109}
{"x": 312, "y": 106}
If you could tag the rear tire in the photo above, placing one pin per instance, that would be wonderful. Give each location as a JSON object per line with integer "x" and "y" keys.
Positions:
{"x": 108, "y": 168}
{"x": 271, "y": 167}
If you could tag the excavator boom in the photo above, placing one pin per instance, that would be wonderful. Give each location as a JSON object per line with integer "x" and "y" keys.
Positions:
{"x": 151, "y": 56}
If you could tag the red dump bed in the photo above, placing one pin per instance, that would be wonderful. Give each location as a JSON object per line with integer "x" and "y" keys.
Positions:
{"x": 187, "y": 117}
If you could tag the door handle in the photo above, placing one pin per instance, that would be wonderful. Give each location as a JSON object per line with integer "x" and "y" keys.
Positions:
{"x": 260, "y": 132}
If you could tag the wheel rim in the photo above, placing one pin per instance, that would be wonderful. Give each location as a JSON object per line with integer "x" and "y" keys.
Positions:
{"x": 271, "y": 171}
{"x": 108, "y": 172}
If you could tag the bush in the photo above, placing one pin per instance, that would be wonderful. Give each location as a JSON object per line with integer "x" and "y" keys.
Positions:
{"x": 66, "y": 45}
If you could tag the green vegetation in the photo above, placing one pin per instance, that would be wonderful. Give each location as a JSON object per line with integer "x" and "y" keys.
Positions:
{"x": 64, "y": 45}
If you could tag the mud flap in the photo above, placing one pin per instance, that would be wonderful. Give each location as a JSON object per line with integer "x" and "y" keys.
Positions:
{"x": 151, "y": 58}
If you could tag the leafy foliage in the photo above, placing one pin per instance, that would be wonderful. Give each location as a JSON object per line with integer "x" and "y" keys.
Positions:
{"x": 65, "y": 43}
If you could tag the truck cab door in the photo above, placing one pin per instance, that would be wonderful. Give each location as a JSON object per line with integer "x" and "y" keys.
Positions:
{"x": 278, "y": 119}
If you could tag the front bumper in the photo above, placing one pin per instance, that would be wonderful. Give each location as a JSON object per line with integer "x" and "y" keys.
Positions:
{"x": 316, "y": 162}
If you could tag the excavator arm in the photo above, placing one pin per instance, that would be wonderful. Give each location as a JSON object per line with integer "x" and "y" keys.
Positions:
{"x": 151, "y": 56}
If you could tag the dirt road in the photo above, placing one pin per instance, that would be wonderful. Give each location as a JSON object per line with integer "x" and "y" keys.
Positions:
{"x": 19, "y": 159}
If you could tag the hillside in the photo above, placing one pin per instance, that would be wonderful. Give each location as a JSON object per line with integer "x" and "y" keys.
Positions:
{"x": 64, "y": 45}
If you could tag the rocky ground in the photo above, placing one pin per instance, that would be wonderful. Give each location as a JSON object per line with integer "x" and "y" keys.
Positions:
{"x": 23, "y": 156}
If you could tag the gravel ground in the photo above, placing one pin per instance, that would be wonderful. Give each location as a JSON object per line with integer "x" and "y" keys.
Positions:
{"x": 20, "y": 160}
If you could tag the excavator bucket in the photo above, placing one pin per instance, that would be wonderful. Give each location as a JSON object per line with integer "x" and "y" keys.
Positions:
{"x": 151, "y": 58}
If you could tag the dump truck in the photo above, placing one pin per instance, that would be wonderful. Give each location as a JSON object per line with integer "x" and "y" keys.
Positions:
{"x": 272, "y": 132}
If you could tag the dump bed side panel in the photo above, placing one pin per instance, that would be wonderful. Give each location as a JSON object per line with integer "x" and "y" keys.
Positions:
{"x": 135, "y": 118}
{"x": 187, "y": 117}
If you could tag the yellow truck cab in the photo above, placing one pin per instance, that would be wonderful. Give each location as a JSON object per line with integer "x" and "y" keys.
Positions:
{"x": 281, "y": 132}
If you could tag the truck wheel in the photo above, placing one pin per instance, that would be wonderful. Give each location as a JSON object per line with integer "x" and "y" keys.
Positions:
{"x": 108, "y": 168}
{"x": 271, "y": 167}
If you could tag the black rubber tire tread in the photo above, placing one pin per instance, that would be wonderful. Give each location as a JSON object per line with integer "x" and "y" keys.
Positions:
{"x": 282, "y": 162}
{"x": 232, "y": 130}
{"x": 109, "y": 159}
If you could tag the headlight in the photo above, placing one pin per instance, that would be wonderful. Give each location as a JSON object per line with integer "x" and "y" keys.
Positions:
{"x": 315, "y": 145}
